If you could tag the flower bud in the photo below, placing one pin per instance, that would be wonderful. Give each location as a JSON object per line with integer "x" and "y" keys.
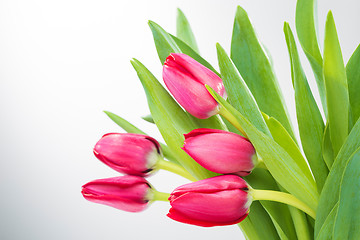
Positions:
{"x": 186, "y": 78}
{"x": 220, "y": 151}
{"x": 129, "y": 153}
{"x": 128, "y": 193}
{"x": 216, "y": 201}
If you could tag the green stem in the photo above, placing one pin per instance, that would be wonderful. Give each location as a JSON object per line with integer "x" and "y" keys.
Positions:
{"x": 228, "y": 116}
{"x": 160, "y": 196}
{"x": 283, "y": 198}
{"x": 174, "y": 168}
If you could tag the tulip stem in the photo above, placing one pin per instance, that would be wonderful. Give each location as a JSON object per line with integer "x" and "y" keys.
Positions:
{"x": 160, "y": 196}
{"x": 175, "y": 168}
{"x": 283, "y": 198}
{"x": 228, "y": 116}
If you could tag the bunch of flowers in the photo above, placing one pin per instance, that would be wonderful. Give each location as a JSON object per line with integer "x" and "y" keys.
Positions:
{"x": 229, "y": 133}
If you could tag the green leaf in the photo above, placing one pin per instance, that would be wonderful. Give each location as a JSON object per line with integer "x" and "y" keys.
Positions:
{"x": 327, "y": 151}
{"x": 184, "y": 32}
{"x": 306, "y": 25}
{"x": 190, "y": 52}
{"x": 330, "y": 193}
{"x": 128, "y": 127}
{"x": 281, "y": 166}
{"x": 254, "y": 66}
{"x": 239, "y": 96}
{"x": 347, "y": 223}
{"x": 148, "y": 118}
{"x": 283, "y": 138}
{"x": 337, "y": 97}
{"x": 163, "y": 42}
{"x": 326, "y": 231}
{"x": 169, "y": 117}
{"x": 166, "y": 43}
{"x": 311, "y": 125}
{"x": 353, "y": 78}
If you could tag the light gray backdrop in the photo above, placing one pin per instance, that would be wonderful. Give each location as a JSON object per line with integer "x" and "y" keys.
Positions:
{"x": 63, "y": 62}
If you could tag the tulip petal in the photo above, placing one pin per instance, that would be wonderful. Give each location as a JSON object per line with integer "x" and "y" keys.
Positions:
{"x": 126, "y": 193}
{"x": 220, "y": 151}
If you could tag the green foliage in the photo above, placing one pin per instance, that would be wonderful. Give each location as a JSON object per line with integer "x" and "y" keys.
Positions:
{"x": 276, "y": 159}
{"x": 328, "y": 179}
{"x": 254, "y": 66}
{"x": 311, "y": 126}
{"x": 337, "y": 96}
{"x": 305, "y": 20}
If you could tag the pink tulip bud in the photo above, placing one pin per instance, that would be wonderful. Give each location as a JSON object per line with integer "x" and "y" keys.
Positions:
{"x": 186, "y": 78}
{"x": 216, "y": 201}
{"x": 220, "y": 151}
{"x": 129, "y": 153}
{"x": 128, "y": 193}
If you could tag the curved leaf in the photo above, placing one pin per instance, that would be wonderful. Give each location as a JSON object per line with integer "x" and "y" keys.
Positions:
{"x": 330, "y": 193}
{"x": 283, "y": 138}
{"x": 254, "y": 66}
{"x": 184, "y": 32}
{"x": 305, "y": 20}
{"x": 163, "y": 42}
{"x": 337, "y": 97}
{"x": 347, "y": 223}
{"x": 326, "y": 231}
{"x": 353, "y": 78}
{"x": 239, "y": 96}
{"x": 311, "y": 125}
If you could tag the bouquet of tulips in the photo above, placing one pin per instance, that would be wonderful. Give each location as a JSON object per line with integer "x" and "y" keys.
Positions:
{"x": 229, "y": 133}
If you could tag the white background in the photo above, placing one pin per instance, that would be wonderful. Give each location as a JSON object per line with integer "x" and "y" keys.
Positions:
{"x": 63, "y": 62}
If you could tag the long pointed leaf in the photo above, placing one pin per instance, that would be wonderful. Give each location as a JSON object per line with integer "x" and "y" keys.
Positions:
{"x": 254, "y": 66}
{"x": 283, "y": 138}
{"x": 347, "y": 223}
{"x": 163, "y": 42}
{"x": 190, "y": 52}
{"x": 184, "y": 32}
{"x": 326, "y": 231}
{"x": 311, "y": 125}
{"x": 239, "y": 95}
{"x": 330, "y": 194}
{"x": 353, "y": 77}
{"x": 305, "y": 20}
{"x": 337, "y": 97}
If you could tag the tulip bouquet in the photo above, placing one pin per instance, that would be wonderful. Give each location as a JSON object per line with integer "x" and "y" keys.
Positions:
{"x": 229, "y": 133}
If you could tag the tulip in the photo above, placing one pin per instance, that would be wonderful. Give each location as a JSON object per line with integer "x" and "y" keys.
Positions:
{"x": 221, "y": 151}
{"x": 216, "y": 201}
{"x": 128, "y": 193}
{"x": 129, "y": 153}
{"x": 186, "y": 78}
